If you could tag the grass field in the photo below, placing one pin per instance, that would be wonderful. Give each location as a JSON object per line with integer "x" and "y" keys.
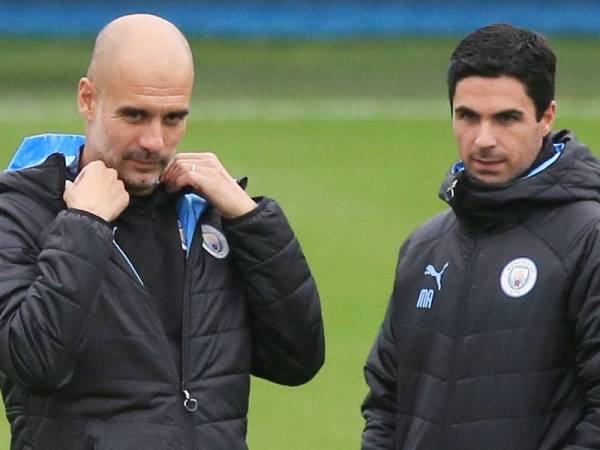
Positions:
{"x": 352, "y": 137}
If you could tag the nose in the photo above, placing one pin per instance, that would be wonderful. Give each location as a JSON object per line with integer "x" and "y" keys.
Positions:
{"x": 485, "y": 136}
{"x": 151, "y": 137}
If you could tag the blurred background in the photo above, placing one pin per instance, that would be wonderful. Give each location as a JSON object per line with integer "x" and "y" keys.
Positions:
{"x": 336, "y": 108}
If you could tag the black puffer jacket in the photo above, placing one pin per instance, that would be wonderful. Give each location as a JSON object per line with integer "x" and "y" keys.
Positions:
{"x": 491, "y": 340}
{"x": 84, "y": 361}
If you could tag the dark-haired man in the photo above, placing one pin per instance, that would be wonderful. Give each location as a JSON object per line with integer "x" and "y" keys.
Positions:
{"x": 139, "y": 289}
{"x": 492, "y": 335}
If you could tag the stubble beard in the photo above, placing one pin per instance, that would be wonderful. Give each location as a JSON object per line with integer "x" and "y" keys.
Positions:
{"x": 144, "y": 187}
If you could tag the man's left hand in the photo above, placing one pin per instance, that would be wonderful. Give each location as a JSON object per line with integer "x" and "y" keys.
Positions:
{"x": 204, "y": 173}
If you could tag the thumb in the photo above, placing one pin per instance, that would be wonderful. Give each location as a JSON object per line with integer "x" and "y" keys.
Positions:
{"x": 68, "y": 186}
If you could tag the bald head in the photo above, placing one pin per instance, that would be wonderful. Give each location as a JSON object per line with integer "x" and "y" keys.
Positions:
{"x": 135, "y": 99}
{"x": 139, "y": 42}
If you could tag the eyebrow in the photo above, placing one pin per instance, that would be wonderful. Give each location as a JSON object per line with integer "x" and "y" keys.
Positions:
{"x": 464, "y": 109}
{"x": 178, "y": 113}
{"x": 128, "y": 110}
{"x": 510, "y": 112}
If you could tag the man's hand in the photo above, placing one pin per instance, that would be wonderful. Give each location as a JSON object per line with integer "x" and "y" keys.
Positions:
{"x": 206, "y": 175}
{"x": 97, "y": 190}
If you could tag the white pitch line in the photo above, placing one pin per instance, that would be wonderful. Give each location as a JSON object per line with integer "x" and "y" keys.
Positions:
{"x": 14, "y": 109}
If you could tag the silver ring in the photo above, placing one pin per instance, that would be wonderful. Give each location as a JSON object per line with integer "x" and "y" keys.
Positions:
{"x": 193, "y": 167}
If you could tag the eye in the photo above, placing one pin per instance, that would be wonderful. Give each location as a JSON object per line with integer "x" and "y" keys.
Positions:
{"x": 508, "y": 118}
{"x": 466, "y": 115}
{"x": 174, "y": 119}
{"x": 134, "y": 115}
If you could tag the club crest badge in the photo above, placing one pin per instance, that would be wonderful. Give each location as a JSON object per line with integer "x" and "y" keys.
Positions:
{"x": 214, "y": 242}
{"x": 518, "y": 277}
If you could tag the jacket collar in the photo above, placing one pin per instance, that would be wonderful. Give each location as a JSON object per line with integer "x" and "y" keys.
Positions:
{"x": 570, "y": 173}
{"x": 43, "y": 163}
{"x": 44, "y": 182}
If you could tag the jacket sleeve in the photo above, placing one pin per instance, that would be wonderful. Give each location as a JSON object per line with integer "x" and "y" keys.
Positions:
{"x": 584, "y": 313}
{"x": 285, "y": 311}
{"x": 47, "y": 295}
{"x": 379, "y": 407}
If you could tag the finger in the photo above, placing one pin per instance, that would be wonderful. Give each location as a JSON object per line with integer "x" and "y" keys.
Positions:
{"x": 179, "y": 164}
{"x": 209, "y": 161}
{"x": 196, "y": 155}
{"x": 195, "y": 165}
{"x": 173, "y": 179}
{"x": 178, "y": 168}
{"x": 68, "y": 187}
{"x": 174, "y": 171}
{"x": 167, "y": 171}
{"x": 201, "y": 167}
{"x": 183, "y": 180}
{"x": 80, "y": 175}
{"x": 94, "y": 166}
{"x": 191, "y": 163}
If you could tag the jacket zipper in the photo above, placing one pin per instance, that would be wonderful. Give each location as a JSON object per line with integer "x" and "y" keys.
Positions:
{"x": 189, "y": 402}
{"x": 463, "y": 299}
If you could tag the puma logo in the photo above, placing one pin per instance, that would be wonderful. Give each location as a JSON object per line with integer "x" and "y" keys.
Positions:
{"x": 430, "y": 270}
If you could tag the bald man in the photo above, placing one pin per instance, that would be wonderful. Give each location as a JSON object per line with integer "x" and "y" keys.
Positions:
{"x": 138, "y": 289}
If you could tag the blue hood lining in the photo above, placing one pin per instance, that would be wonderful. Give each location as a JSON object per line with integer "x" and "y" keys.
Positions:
{"x": 34, "y": 150}
{"x": 558, "y": 149}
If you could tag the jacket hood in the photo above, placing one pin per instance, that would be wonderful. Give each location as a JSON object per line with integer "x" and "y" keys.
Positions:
{"x": 44, "y": 182}
{"x": 42, "y": 164}
{"x": 573, "y": 174}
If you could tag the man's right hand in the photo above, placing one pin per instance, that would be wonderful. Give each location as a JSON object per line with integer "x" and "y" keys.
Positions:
{"x": 97, "y": 190}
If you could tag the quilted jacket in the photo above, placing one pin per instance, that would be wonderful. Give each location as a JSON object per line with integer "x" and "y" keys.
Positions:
{"x": 84, "y": 361}
{"x": 492, "y": 335}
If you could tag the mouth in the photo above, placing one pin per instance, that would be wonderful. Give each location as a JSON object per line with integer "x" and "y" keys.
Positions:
{"x": 488, "y": 164}
{"x": 144, "y": 162}
{"x": 145, "y": 165}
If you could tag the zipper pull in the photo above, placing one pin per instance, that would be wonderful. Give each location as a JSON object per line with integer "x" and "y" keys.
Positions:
{"x": 450, "y": 191}
{"x": 190, "y": 403}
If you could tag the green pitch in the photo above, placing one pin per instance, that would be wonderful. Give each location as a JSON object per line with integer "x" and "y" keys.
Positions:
{"x": 353, "y": 138}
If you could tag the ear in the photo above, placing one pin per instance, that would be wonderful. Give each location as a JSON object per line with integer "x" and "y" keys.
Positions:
{"x": 86, "y": 98}
{"x": 547, "y": 120}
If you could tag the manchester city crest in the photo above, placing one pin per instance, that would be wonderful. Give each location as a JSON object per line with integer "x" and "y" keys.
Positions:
{"x": 518, "y": 277}
{"x": 214, "y": 242}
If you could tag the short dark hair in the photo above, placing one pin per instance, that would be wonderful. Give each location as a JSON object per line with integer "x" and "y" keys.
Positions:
{"x": 503, "y": 50}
